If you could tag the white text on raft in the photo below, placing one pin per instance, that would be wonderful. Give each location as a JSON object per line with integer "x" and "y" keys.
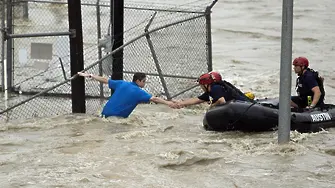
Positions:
{"x": 321, "y": 117}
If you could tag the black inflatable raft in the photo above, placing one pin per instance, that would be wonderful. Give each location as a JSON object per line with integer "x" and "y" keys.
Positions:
{"x": 262, "y": 115}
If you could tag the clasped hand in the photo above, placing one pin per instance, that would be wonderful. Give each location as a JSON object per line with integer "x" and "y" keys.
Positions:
{"x": 176, "y": 104}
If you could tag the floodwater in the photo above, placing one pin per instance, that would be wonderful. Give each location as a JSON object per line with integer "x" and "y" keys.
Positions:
{"x": 162, "y": 147}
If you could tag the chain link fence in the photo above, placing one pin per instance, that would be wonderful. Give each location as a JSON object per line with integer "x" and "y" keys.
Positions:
{"x": 173, "y": 52}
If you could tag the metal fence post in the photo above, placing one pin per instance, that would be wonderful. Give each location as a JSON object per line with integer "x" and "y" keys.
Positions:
{"x": 25, "y": 9}
{"x": 9, "y": 56}
{"x": 209, "y": 39}
{"x": 77, "y": 57}
{"x": 284, "y": 121}
{"x": 209, "y": 36}
{"x": 3, "y": 44}
{"x": 99, "y": 47}
{"x": 117, "y": 37}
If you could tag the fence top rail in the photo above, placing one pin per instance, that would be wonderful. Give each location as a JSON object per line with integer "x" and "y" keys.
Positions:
{"x": 107, "y": 4}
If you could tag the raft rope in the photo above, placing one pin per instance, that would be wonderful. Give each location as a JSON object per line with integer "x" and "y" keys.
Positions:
{"x": 231, "y": 125}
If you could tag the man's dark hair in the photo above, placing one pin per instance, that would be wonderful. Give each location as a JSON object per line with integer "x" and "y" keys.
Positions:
{"x": 139, "y": 76}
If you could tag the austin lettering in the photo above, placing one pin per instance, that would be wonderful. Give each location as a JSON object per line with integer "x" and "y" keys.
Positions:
{"x": 321, "y": 117}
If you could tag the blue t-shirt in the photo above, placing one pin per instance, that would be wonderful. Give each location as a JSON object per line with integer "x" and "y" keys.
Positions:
{"x": 125, "y": 98}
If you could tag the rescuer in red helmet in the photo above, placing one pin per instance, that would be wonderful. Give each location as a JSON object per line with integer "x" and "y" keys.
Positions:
{"x": 216, "y": 91}
{"x": 309, "y": 85}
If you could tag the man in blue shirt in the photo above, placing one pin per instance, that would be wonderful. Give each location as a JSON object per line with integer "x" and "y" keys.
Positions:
{"x": 216, "y": 91}
{"x": 309, "y": 84}
{"x": 126, "y": 95}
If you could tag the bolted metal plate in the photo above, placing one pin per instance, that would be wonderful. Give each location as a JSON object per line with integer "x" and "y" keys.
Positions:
{"x": 41, "y": 51}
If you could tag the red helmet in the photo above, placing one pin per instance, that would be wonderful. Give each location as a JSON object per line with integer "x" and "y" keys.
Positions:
{"x": 209, "y": 78}
{"x": 216, "y": 76}
{"x": 301, "y": 61}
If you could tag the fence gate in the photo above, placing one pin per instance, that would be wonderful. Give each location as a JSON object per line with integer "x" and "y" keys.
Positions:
{"x": 171, "y": 45}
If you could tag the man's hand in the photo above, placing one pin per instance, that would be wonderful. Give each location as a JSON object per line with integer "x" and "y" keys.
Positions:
{"x": 84, "y": 74}
{"x": 176, "y": 105}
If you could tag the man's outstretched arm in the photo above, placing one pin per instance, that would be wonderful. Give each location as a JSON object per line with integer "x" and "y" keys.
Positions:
{"x": 161, "y": 101}
{"x": 189, "y": 102}
{"x": 95, "y": 77}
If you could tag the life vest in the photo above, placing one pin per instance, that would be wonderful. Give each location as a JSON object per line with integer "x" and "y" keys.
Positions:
{"x": 235, "y": 92}
{"x": 303, "y": 92}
